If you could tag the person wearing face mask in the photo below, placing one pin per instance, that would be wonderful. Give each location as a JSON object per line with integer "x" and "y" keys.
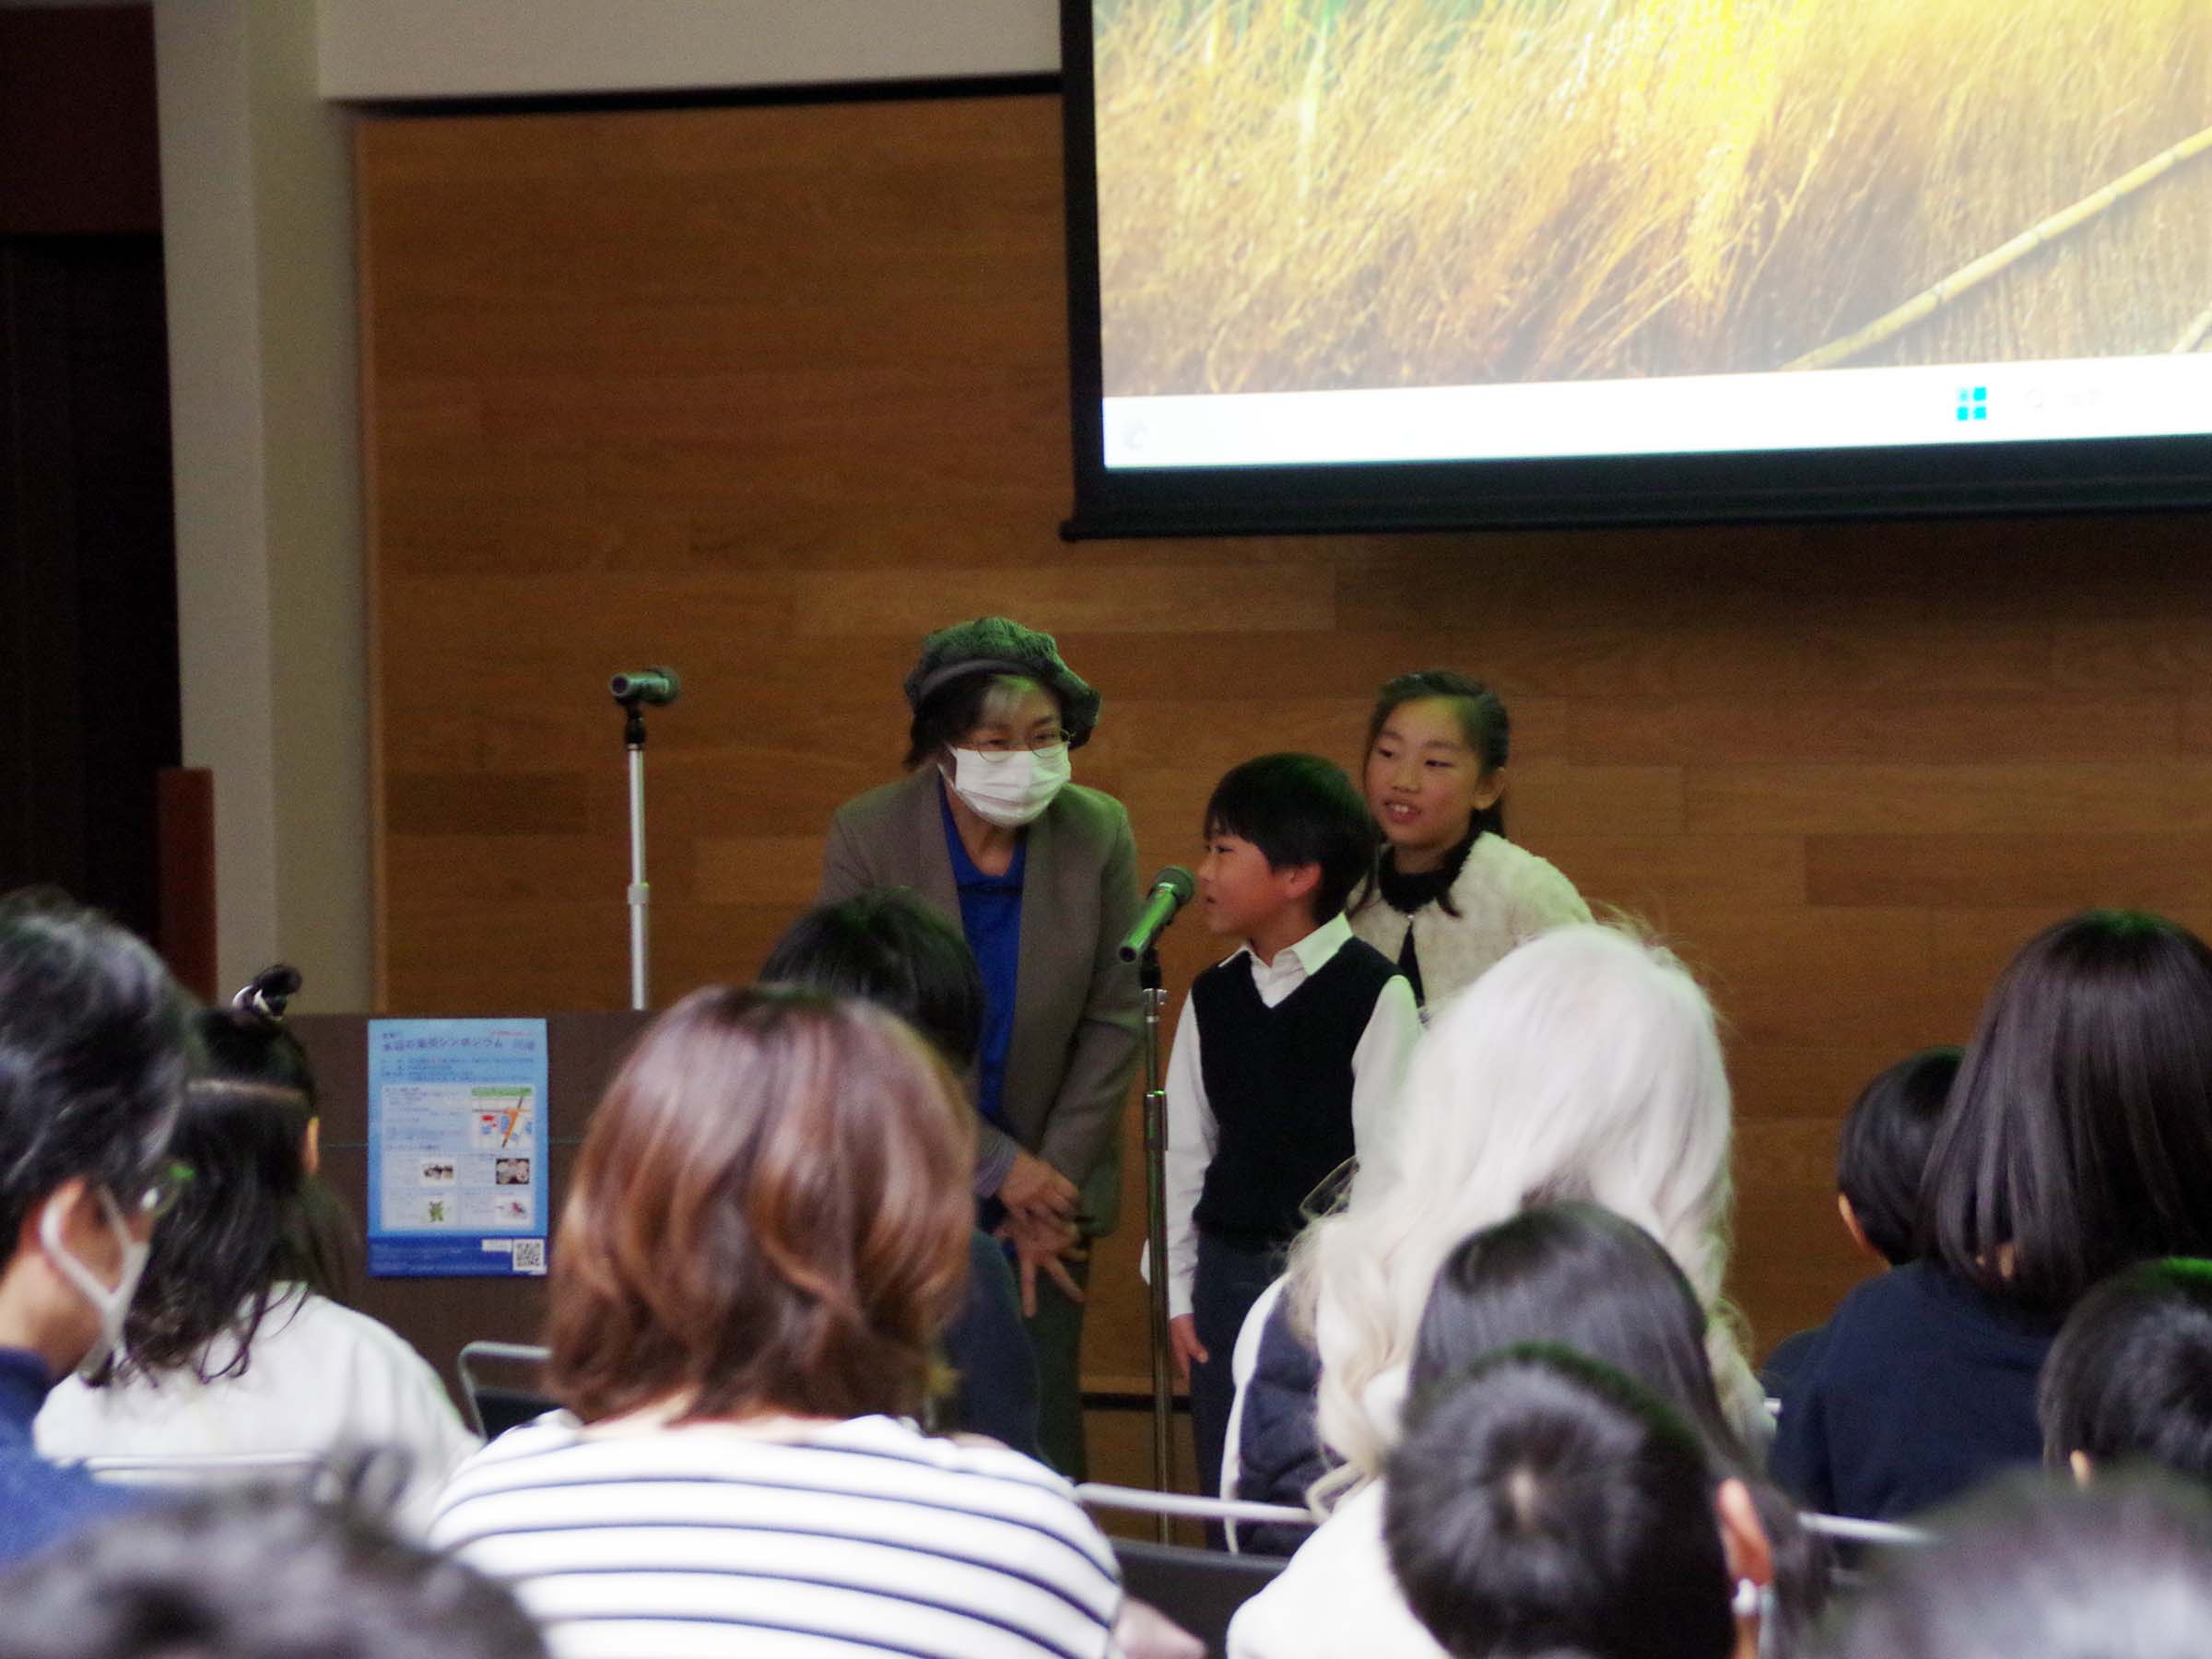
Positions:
{"x": 1040, "y": 874}
{"x": 92, "y": 1067}
{"x": 241, "y": 1340}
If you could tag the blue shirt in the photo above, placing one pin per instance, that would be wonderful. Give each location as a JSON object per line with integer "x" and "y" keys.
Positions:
{"x": 991, "y": 918}
{"x": 41, "y": 1501}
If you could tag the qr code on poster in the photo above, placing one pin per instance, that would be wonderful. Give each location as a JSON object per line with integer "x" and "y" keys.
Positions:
{"x": 529, "y": 1255}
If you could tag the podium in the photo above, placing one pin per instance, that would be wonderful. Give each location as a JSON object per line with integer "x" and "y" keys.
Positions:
{"x": 439, "y": 1314}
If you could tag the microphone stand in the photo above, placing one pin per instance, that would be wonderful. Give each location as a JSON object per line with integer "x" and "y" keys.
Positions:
{"x": 1156, "y": 1198}
{"x": 639, "y": 895}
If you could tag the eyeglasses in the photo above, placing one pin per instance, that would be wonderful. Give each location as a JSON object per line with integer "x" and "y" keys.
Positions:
{"x": 161, "y": 1191}
{"x": 1037, "y": 743}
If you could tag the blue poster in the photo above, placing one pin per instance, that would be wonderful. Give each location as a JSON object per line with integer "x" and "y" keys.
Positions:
{"x": 457, "y": 1140}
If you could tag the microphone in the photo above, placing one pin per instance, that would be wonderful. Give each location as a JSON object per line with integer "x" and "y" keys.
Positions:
{"x": 1172, "y": 889}
{"x": 657, "y": 686}
{"x": 267, "y": 993}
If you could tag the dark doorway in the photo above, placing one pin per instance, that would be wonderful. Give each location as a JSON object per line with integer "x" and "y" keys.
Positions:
{"x": 88, "y": 698}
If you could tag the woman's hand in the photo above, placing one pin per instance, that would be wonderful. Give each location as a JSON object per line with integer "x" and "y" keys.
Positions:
{"x": 1046, "y": 1248}
{"x": 1184, "y": 1348}
{"x": 1037, "y": 1192}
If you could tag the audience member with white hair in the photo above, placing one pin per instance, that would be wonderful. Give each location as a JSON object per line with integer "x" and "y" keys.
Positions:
{"x": 1586, "y": 1065}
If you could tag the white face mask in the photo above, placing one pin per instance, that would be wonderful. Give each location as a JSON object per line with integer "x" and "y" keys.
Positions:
{"x": 1010, "y": 789}
{"x": 113, "y": 1302}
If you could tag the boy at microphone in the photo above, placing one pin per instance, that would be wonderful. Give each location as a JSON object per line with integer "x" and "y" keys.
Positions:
{"x": 1287, "y": 1058}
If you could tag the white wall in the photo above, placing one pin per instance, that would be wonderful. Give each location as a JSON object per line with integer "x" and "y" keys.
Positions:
{"x": 398, "y": 49}
{"x": 258, "y": 225}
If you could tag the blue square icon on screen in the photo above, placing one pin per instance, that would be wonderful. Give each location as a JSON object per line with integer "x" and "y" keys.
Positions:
{"x": 1974, "y": 402}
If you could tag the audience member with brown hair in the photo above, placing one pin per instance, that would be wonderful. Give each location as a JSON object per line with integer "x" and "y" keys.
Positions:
{"x": 765, "y": 1229}
{"x": 888, "y": 947}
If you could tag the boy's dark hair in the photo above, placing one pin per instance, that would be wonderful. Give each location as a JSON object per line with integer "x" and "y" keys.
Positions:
{"x": 256, "y": 1575}
{"x": 888, "y": 947}
{"x": 1883, "y": 1149}
{"x": 92, "y": 1056}
{"x": 2037, "y": 1569}
{"x": 2077, "y": 1141}
{"x": 1299, "y": 809}
{"x": 2130, "y": 1376}
{"x": 1546, "y": 1504}
{"x": 252, "y": 1224}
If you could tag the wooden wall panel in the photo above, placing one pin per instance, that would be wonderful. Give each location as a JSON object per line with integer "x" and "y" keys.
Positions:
{"x": 769, "y": 393}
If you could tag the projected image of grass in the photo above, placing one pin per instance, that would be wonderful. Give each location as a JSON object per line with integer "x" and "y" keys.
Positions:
{"x": 1323, "y": 193}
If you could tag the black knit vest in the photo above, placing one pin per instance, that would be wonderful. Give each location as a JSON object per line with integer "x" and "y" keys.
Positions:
{"x": 1280, "y": 1081}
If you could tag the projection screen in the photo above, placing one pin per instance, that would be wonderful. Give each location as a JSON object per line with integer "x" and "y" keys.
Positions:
{"x": 1395, "y": 263}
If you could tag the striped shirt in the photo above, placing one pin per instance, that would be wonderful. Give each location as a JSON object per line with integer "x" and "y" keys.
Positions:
{"x": 836, "y": 1541}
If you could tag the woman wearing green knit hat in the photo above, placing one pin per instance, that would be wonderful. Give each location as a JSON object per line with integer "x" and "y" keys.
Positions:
{"x": 1041, "y": 874}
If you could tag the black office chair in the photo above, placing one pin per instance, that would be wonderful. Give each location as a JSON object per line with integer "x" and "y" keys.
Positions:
{"x": 1199, "y": 1589}
{"x": 494, "y": 1408}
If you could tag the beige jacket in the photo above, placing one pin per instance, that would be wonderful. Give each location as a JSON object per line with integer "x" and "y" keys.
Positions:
{"x": 1504, "y": 894}
{"x": 1078, "y": 1008}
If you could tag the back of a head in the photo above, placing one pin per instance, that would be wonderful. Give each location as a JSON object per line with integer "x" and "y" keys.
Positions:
{"x": 254, "y": 1225}
{"x": 1299, "y": 809}
{"x": 256, "y": 1575}
{"x": 92, "y": 1054}
{"x": 2076, "y": 1141}
{"x": 2129, "y": 1378}
{"x": 1882, "y": 1152}
{"x": 770, "y": 1214}
{"x": 1580, "y": 1278}
{"x": 1543, "y": 1504}
{"x": 886, "y": 946}
{"x": 1584, "y": 1066}
{"x": 2039, "y": 1569}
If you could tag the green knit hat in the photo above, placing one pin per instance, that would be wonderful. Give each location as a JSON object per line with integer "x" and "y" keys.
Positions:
{"x": 998, "y": 645}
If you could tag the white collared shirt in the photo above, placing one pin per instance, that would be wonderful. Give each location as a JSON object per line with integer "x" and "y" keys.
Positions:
{"x": 1378, "y": 1068}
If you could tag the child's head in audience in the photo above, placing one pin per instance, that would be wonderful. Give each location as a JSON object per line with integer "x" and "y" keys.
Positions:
{"x": 1286, "y": 837}
{"x": 2129, "y": 1378}
{"x": 769, "y": 1216}
{"x": 1884, "y": 1148}
{"x": 1546, "y": 1504}
{"x": 92, "y": 1067}
{"x": 256, "y": 1575}
{"x": 253, "y": 1228}
{"x": 2077, "y": 1139}
{"x": 1584, "y": 1066}
{"x": 888, "y": 947}
{"x": 1578, "y": 1276}
{"x": 2036, "y": 1568}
